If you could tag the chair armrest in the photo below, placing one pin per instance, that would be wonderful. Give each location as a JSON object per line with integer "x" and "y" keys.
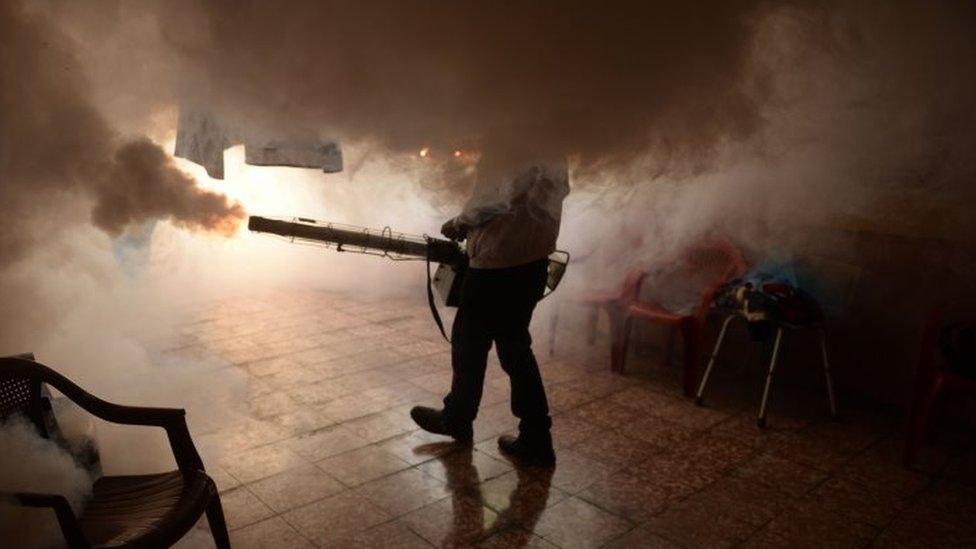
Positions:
{"x": 115, "y": 413}
{"x": 134, "y": 415}
{"x": 66, "y": 517}
{"x": 171, "y": 419}
{"x": 184, "y": 451}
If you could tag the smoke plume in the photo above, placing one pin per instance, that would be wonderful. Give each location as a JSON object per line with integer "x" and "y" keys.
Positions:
{"x": 30, "y": 463}
{"x": 144, "y": 184}
{"x": 602, "y": 82}
{"x": 57, "y": 149}
{"x": 855, "y": 110}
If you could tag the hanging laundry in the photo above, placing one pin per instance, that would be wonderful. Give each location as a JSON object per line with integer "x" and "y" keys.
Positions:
{"x": 202, "y": 137}
{"x": 201, "y": 140}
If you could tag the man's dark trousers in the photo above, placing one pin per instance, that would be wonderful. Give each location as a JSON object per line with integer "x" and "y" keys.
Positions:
{"x": 496, "y": 307}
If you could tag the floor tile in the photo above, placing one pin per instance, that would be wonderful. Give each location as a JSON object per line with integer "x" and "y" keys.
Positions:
{"x": 383, "y": 425}
{"x": 520, "y": 495}
{"x": 781, "y": 474}
{"x": 241, "y": 508}
{"x": 391, "y": 535}
{"x": 810, "y": 524}
{"x": 419, "y": 446}
{"x": 465, "y": 467}
{"x": 575, "y": 472}
{"x": 362, "y": 465}
{"x": 325, "y": 443}
{"x": 331, "y": 519}
{"x": 745, "y": 500}
{"x": 224, "y": 480}
{"x": 270, "y": 533}
{"x": 459, "y": 520}
{"x": 695, "y": 526}
{"x": 403, "y": 492}
{"x": 295, "y": 488}
{"x": 262, "y": 462}
{"x": 857, "y": 501}
{"x": 303, "y": 420}
{"x": 880, "y": 474}
{"x": 661, "y": 434}
{"x": 514, "y": 538}
{"x": 630, "y": 496}
{"x": 574, "y": 523}
{"x": 569, "y": 430}
{"x": 642, "y": 538}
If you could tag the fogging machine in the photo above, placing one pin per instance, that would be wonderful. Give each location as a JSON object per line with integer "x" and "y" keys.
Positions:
{"x": 450, "y": 257}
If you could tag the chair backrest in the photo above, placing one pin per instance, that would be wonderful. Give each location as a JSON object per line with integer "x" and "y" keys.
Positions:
{"x": 22, "y": 395}
{"x": 722, "y": 261}
{"x": 686, "y": 284}
{"x": 718, "y": 258}
{"x": 632, "y": 285}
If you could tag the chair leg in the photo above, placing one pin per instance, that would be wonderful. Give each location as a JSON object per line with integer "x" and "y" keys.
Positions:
{"x": 591, "y": 321}
{"x": 919, "y": 422}
{"x": 218, "y": 527}
{"x": 669, "y": 350}
{"x": 689, "y": 333}
{"x": 831, "y": 399}
{"x": 761, "y": 421}
{"x": 700, "y": 397}
{"x": 620, "y": 328}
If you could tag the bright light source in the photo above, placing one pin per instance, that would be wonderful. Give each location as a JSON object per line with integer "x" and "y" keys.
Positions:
{"x": 424, "y": 152}
{"x": 457, "y": 153}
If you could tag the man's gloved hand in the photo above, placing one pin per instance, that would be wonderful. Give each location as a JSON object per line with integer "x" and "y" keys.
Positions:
{"x": 451, "y": 230}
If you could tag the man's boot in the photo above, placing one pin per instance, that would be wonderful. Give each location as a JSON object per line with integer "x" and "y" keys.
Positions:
{"x": 432, "y": 421}
{"x": 534, "y": 450}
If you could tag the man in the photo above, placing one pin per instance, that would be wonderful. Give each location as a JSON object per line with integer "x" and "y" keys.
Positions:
{"x": 511, "y": 224}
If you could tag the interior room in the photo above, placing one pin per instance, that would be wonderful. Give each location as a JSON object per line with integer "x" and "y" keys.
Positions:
{"x": 400, "y": 274}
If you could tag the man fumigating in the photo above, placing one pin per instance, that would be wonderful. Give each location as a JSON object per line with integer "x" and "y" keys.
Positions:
{"x": 511, "y": 223}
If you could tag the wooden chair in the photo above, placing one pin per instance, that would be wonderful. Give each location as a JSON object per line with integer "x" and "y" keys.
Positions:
{"x": 712, "y": 262}
{"x": 149, "y": 511}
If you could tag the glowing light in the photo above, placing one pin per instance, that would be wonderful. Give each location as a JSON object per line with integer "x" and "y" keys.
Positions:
{"x": 457, "y": 153}
{"x": 424, "y": 152}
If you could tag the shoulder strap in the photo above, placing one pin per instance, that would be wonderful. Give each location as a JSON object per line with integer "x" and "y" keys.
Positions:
{"x": 433, "y": 306}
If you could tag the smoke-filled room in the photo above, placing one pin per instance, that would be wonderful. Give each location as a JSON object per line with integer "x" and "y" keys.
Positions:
{"x": 486, "y": 274}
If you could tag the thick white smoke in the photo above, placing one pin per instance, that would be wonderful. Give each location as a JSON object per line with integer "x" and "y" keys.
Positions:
{"x": 29, "y": 463}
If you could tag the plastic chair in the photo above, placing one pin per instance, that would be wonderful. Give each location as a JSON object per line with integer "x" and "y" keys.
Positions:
{"x": 153, "y": 510}
{"x": 597, "y": 300}
{"x": 934, "y": 378}
{"x": 613, "y": 303}
{"x": 719, "y": 262}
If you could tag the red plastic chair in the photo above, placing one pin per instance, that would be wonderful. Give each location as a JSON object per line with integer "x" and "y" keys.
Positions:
{"x": 934, "y": 379}
{"x": 613, "y": 303}
{"x": 717, "y": 262}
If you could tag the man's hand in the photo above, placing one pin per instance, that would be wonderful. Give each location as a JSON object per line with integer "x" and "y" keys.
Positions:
{"x": 451, "y": 230}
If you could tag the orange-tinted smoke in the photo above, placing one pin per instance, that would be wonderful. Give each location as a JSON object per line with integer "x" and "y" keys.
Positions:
{"x": 143, "y": 183}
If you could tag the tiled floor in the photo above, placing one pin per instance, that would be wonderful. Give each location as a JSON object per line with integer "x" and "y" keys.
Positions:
{"x": 327, "y": 455}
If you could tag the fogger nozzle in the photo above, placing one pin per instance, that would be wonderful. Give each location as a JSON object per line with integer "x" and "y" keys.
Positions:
{"x": 361, "y": 239}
